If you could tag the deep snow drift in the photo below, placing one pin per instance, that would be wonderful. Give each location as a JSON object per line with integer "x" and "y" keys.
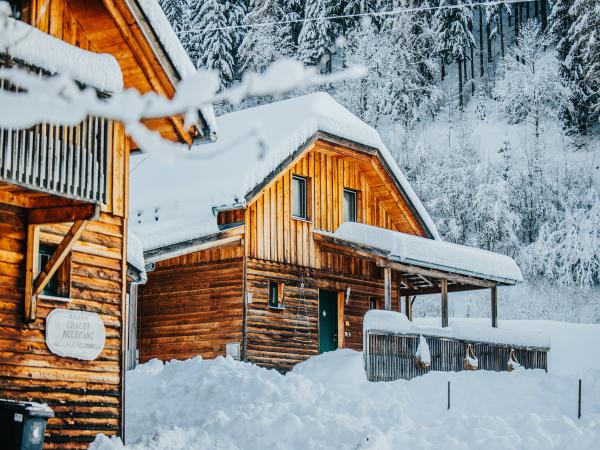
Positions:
{"x": 326, "y": 403}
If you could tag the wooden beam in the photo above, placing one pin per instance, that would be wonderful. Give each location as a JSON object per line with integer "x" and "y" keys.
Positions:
{"x": 436, "y": 289}
{"x": 433, "y": 273}
{"x": 39, "y": 216}
{"x": 444, "y": 289}
{"x": 387, "y": 282}
{"x": 58, "y": 257}
{"x": 340, "y": 318}
{"x": 31, "y": 268}
{"x": 494, "y": 299}
{"x": 408, "y": 307}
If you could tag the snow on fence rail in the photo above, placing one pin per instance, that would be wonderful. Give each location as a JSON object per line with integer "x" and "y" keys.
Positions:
{"x": 392, "y": 355}
{"x": 69, "y": 161}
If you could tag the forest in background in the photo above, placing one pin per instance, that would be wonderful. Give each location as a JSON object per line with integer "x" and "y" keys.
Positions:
{"x": 492, "y": 109}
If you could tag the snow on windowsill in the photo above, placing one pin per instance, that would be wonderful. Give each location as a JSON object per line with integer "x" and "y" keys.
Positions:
{"x": 396, "y": 322}
{"x": 24, "y": 42}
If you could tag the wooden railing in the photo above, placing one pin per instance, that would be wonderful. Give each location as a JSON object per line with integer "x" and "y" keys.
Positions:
{"x": 68, "y": 161}
{"x": 392, "y": 356}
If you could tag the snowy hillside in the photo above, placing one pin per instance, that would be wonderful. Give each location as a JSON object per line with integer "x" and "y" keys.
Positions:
{"x": 492, "y": 109}
{"x": 327, "y": 403}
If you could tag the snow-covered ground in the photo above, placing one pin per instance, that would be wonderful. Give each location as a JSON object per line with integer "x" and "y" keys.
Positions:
{"x": 326, "y": 403}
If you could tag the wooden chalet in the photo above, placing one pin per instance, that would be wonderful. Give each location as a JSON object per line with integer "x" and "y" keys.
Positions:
{"x": 64, "y": 211}
{"x": 271, "y": 244}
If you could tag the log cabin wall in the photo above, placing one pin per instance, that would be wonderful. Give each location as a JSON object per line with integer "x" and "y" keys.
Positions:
{"x": 192, "y": 305}
{"x": 280, "y": 338}
{"x": 329, "y": 168}
{"x": 86, "y": 396}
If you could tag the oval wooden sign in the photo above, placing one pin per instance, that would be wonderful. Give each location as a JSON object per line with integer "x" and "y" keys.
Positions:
{"x": 75, "y": 334}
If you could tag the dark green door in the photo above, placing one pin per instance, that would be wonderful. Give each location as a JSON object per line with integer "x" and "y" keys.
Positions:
{"x": 328, "y": 321}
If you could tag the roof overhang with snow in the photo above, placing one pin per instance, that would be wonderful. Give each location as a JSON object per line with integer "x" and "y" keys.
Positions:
{"x": 255, "y": 146}
{"x": 423, "y": 261}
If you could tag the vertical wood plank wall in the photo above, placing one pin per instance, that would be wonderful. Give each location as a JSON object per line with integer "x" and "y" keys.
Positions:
{"x": 192, "y": 305}
{"x": 275, "y": 236}
{"x": 85, "y": 395}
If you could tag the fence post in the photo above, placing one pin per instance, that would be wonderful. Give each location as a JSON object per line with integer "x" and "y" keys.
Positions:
{"x": 448, "y": 394}
{"x": 579, "y": 401}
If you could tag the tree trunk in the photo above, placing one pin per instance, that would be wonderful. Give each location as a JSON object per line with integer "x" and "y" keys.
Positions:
{"x": 501, "y": 31}
{"x": 544, "y": 11}
{"x": 460, "y": 85}
{"x": 526, "y": 6}
{"x": 516, "y": 23}
{"x": 481, "y": 69}
{"x": 472, "y": 72}
{"x": 443, "y": 69}
{"x": 488, "y": 30}
{"x": 536, "y": 9}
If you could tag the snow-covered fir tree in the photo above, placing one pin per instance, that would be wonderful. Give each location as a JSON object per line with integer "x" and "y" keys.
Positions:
{"x": 317, "y": 36}
{"x": 531, "y": 88}
{"x": 211, "y": 45}
{"x": 262, "y": 45}
{"x": 454, "y": 38}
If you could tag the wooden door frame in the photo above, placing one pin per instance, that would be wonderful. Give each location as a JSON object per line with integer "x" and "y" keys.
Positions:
{"x": 341, "y": 299}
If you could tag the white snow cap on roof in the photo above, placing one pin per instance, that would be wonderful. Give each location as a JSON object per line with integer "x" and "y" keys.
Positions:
{"x": 433, "y": 254}
{"x": 135, "y": 254}
{"x": 26, "y": 43}
{"x": 172, "y": 45}
{"x": 173, "y": 196}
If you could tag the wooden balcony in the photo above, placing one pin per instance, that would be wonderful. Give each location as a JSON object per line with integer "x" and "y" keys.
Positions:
{"x": 392, "y": 356}
{"x": 64, "y": 161}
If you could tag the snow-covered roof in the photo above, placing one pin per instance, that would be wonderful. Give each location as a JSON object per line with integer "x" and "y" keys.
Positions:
{"x": 135, "y": 255}
{"x": 174, "y": 49}
{"x": 173, "y": 195}
{"x": 30, "y": 45}
{"x": 397, "y": 322}
{"x": 432, "y": 254}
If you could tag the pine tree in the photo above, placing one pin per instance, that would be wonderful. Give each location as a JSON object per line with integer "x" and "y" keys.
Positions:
{"x": 316, "y": 39}
{"x": 583, "y": 59}
{"x": 262, "y": 45}
{"x": 176, "y": 12}
{"x": 212, "y": 45}
{"x": 531, "y": 89}
{"x": 354, "y": 7}
{"x": 453, "y": 35}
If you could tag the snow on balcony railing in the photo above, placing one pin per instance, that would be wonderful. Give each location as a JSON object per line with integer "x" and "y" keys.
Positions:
{"x": 68, "y": 161}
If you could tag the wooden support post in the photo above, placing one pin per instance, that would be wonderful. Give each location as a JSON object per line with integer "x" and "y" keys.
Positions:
{"x": 387, "y": 281}
{"x": 408, "y": 307}
{"x": 31, "y": 269}
{"x": 444, "y": 292}
{"x": 494, "y": 298}
{"x": 58, "y": 257}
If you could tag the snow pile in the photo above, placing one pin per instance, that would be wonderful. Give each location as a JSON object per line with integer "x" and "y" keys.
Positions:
{"x": 28, "y": 44}
{"x": 423, "y": 354}
{"x": 252, "y": 145}
{"x": 460, "y": 329}
{"x": 434, "y": 254}
{"x": 327, "y": 403}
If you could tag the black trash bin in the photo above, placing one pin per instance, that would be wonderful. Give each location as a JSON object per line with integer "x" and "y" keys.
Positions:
{"x": 23, "y": 424}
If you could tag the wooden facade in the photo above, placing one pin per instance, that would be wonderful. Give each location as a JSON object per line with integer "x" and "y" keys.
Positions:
{"x": 88, "y": 235}
{"x": 196, "y": 303}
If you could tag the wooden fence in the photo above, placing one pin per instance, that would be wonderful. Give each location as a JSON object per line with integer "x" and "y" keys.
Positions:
{"x": 70, "y": 161}
{"x": 391, "y": 356}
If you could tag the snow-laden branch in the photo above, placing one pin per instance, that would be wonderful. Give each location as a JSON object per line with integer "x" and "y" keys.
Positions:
{"x": 61, "y": 101}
